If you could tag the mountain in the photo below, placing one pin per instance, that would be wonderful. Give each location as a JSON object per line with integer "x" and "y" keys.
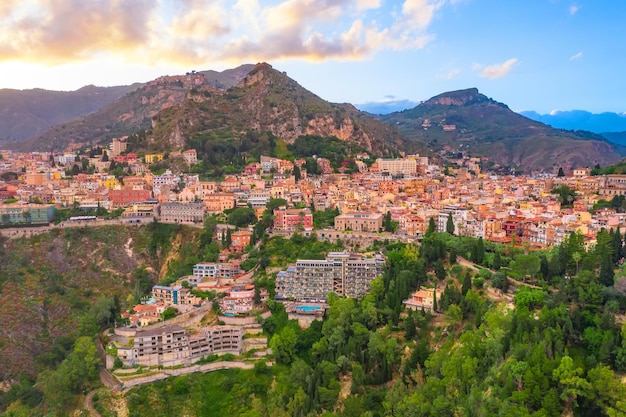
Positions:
{"x": 386, "y": 107}
{"x": 466, "y": 120}
{"x": 129, "y": 113}
{"x": 196, "y": 111}
{"x": 265, "y": 102}
{"x": 618, "y": 138}
{"x": 27, "y": 113}
{"x": 581, "y": 120}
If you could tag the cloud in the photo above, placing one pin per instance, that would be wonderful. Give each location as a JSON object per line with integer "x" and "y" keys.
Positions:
{"x": 55, "y": 32}
{"x": 573, "y": 9}
{"x": 448, "y": 72}
{"x": 496, "y": 70}
{"x": 576, "y": 56}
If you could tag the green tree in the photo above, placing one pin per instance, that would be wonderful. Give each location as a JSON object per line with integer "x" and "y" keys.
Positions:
{"x": 387, "y": 224}
{"x": 242, "y": 216}
{"x": 228, "y": 239}
{"x": 566, "y": 195}
{"x": 283, "y": 346}
{"x": 297, "y": 175}
{"x": 450, "y": 224}
{"x": 526, "y": 266}
{"x": 453, "y": 256}
{"x": 467, "y": 284}
{"x": 497, "y": 261}
{"x": 480, "y": 251}
{"x": 440, "y": 271}
{"x": 607, "y": 273}
{"x": 560, "y": 173}
{"x": 571, "y": 384}
{"x": 432, "y": 228}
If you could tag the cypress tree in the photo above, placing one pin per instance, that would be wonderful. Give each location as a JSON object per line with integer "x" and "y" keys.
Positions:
{"x": 450, "y": 224}
{"x": 453, "y": 255}
{"x": 607, "y": 274}
{"x": 467, "y": 284}
{"x": 497, "y": 261}
{"x": 435, "y": 300}
{"x": 432, "y": 228}
{"x": 480, "y": 251}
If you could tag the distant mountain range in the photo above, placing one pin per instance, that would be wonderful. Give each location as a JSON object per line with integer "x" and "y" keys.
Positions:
{"x": 27, "y": 113}
{"x": 581, "y": 120}
{"x": 255, "y": 108}
{"x": 386, "y": 107}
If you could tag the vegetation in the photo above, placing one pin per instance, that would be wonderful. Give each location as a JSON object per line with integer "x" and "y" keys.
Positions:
{"x": 556, "y": 350}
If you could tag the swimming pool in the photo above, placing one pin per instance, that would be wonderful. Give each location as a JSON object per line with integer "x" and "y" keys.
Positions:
{"x": 308, "y": 308}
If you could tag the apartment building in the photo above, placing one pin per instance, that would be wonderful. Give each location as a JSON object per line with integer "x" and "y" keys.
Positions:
{"x": 176, "y": 212}
{"x": 359, "y": 221}
{"x": 176, "y": 295}
{"x": 217, "y": 270}
{"x": 218, "y": 202}
{"x": 288, "y": 219}
{"x": 17, "y": 213}
{"x": 346, "y": 274}
{"x": 406, "y": 167}
{"x": 173, "y": 345}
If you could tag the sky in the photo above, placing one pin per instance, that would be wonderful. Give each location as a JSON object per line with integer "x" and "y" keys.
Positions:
{"x": 541, "y": 55}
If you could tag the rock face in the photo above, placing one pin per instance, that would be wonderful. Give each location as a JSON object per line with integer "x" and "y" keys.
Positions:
{"x": 266, "y": 100}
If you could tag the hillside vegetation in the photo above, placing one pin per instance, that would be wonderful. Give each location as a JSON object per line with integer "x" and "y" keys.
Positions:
{"x": 469, "y": 121}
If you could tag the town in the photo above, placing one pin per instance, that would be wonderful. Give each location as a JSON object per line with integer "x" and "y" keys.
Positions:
{"x": 398, "y": 196}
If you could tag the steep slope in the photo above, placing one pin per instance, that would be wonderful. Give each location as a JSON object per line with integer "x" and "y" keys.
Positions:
{"x": 469, "y": 121}
{"x": 130, "y": 113}
{"x": 267, "y": 100}
{"x": 27, "y": 113}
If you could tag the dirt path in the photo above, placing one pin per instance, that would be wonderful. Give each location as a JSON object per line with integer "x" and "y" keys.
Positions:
{"x": 89, "y": 403}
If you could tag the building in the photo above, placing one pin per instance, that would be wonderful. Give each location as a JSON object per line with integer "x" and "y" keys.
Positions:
{"x": 173, "y": 345}
{"x": 422, "y": 299}
{"x": 190, "y": 156}
{"x": 359, "y": 221}
{"x": 228, "y": 270}
{"x": 176, "y": 212}
{"x": 126, "y": 197}
{"x": 406, "y": 167}
{"x": 345, "y": 274}
{"x": 218, "y": 202}
{"x": 612, "y": 185}
{"x": 176, "y": 295}
{"x": 26, "y": 213}
{"x": 289, "y": 219}
{"x": 459, "y": 218}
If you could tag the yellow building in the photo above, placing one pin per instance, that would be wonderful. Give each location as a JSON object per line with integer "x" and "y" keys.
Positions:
{"x": 152, "y": 158}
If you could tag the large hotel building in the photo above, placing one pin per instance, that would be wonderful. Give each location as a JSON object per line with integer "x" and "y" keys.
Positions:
{"x": 345, "y": 274}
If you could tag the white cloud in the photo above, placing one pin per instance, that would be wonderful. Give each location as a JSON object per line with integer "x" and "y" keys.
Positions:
{"x": 448, "y": 74}
{"x": 576, "y": 56}
{"x": 573, "y": 9}
{"x": 497, "y": 70}
{"x": 191, "y": 32}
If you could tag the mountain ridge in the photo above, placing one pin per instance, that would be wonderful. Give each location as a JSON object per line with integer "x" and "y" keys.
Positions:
{"x": 466, "y": 120}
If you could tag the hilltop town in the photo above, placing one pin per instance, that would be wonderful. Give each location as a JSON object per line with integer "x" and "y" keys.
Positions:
{"x": 540, "y": 210}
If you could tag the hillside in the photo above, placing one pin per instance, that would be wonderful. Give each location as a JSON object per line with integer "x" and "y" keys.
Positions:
{"x": 51, "y": 283}
{"x": 130, "y": 113}
{"x": 27, "y": 113}
{"x": 266, "y": 100}
{"x": 466, "y": 120}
